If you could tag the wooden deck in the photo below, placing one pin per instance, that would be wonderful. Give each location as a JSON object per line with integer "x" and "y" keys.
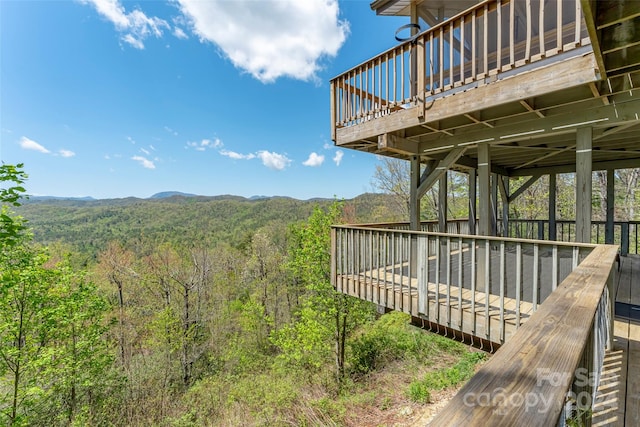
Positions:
{"x": 458, "y": 303}
{"x": 618, "y": 402}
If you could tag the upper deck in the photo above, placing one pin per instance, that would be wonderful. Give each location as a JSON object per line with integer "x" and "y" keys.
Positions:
{"x": 521, "y": 76}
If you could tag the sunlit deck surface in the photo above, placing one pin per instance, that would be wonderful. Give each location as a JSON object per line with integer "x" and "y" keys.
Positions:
{"x": 618, "y": 403}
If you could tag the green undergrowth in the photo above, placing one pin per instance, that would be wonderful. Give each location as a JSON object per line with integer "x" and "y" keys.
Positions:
{"x": 420, "y": 390}
{"x": 385, "y": 358}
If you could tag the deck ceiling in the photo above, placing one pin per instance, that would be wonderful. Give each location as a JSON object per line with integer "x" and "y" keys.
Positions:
{"x": 527, "y": 136}
{"x": 426, "y": 8}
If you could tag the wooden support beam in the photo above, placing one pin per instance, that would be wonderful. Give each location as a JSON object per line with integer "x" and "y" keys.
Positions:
{"x": 414, "y": 200}
{"x": 436, "y": 129}
{"x": 442, "y": 202}
{"x": 583, "y": 184}
{"x": 484, "y": 178}
{"x": 589, "y": 18}
{"x": 618, "y": 114}
{"x": 597, "y": 166}
{"x": 528, "y": 183}
{"x": 478, "y": 121}
{"x": 504, "y": 195}
{"x": 494, "y": 204}
{"x": 596, "y": 93}
{"x": 615, "y": 129}
{"x": 608, "y": 231}
{"x": 395, "y": 144}
{"x": 442, "y": 167}
{"x": 472, "y": 202}
{"x": 527, "y": 105}
{"x": 553, "y": 231}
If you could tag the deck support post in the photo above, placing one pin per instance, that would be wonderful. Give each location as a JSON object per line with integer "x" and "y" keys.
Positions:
{"x": 442, "y": 203}
{"x": 484, "y": 178}
{"x": 494, "y": 204}
{"x": 414, "y": 213}
{"x": 553, "y": 230}
{"x": 584, "y": 137}
{"x": 608, "y": 232}
{"x": 484, "y": 225}
{"x": 472, "y": 202}
{"x": 414, "y": 202}
{"x": 503, "y": 184}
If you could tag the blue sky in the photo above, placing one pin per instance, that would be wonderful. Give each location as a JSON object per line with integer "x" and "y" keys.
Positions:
{"x": 112, "y": 98}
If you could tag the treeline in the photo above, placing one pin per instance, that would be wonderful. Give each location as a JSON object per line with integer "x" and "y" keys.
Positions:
{"x": 167, "y": 330}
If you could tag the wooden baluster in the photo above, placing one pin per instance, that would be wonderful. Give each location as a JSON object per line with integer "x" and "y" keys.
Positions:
{"x": 541, "y": 29}
{"x": 527, "y": 51}
{"x": 485, "y": 50}
{"x": 499, "y": 35}
{"x": 559, "y": 37}
{"x": 462, "y": 49}
{"x": 474, "y": 46}
{"x": 512, "y": 33}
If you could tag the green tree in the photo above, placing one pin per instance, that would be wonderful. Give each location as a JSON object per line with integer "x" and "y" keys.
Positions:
{"x": 326, "y": 317}
{"x": 52, "y": 352}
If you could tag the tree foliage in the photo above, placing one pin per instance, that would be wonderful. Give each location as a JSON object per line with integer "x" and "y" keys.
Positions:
{"x": 53, "y": 355}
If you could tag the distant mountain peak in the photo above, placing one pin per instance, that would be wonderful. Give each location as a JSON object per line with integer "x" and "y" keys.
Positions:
{"x": 165, "y": 194}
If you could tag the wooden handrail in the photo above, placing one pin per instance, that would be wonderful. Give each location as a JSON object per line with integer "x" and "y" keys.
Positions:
{"x": 526, "y": 382}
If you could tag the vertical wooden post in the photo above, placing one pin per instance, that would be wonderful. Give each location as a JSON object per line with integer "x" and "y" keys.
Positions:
{"x": 583, "y": 184}
{"x": 505, "y": 206}
{"x": 484, "y": 225}
{"x": 413, "y": 66}
{"x": 442, "y": 202}
{"x": 484, "y": 175}
{"x": 553, "y": 233}
{"x": 414, "y": 202}
{"x": 494, "y": 204}
{"x": 608, "y": 232}
{"x": 332, "y": 104}
{"x": 472, "y": 202}
{"x": 414, "y": 212}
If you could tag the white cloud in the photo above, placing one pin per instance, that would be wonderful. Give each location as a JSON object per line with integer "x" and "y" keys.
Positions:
{"x": 145, "y": 151}
{"x": 205, "y": 144}
{"x": 274, "y": 160}
{"x": 134, "y": 26}
{"x": 337, "y": 159}
{"x": 327, "y": 146}
{"x": 146, "y": 163}
{"x": 29, "y": 144}
{"x": 314, "y": 160}
{"x": 66, "y": 153}
{"x": 179, "y": 33}
{"x": 270, "y": 39}
{"x": 237, "y": 156}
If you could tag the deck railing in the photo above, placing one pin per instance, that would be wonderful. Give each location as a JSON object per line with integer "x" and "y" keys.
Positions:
{"x": 482, "y": 286}
{"x": 625, "y": 234}
{"x": 493, "y": 37}
{"x": 549, "y": 371}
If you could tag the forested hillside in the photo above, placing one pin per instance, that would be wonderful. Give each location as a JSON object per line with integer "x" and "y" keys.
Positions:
{"x": 88, "y": 226}
{"x": 201, "y": 312}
